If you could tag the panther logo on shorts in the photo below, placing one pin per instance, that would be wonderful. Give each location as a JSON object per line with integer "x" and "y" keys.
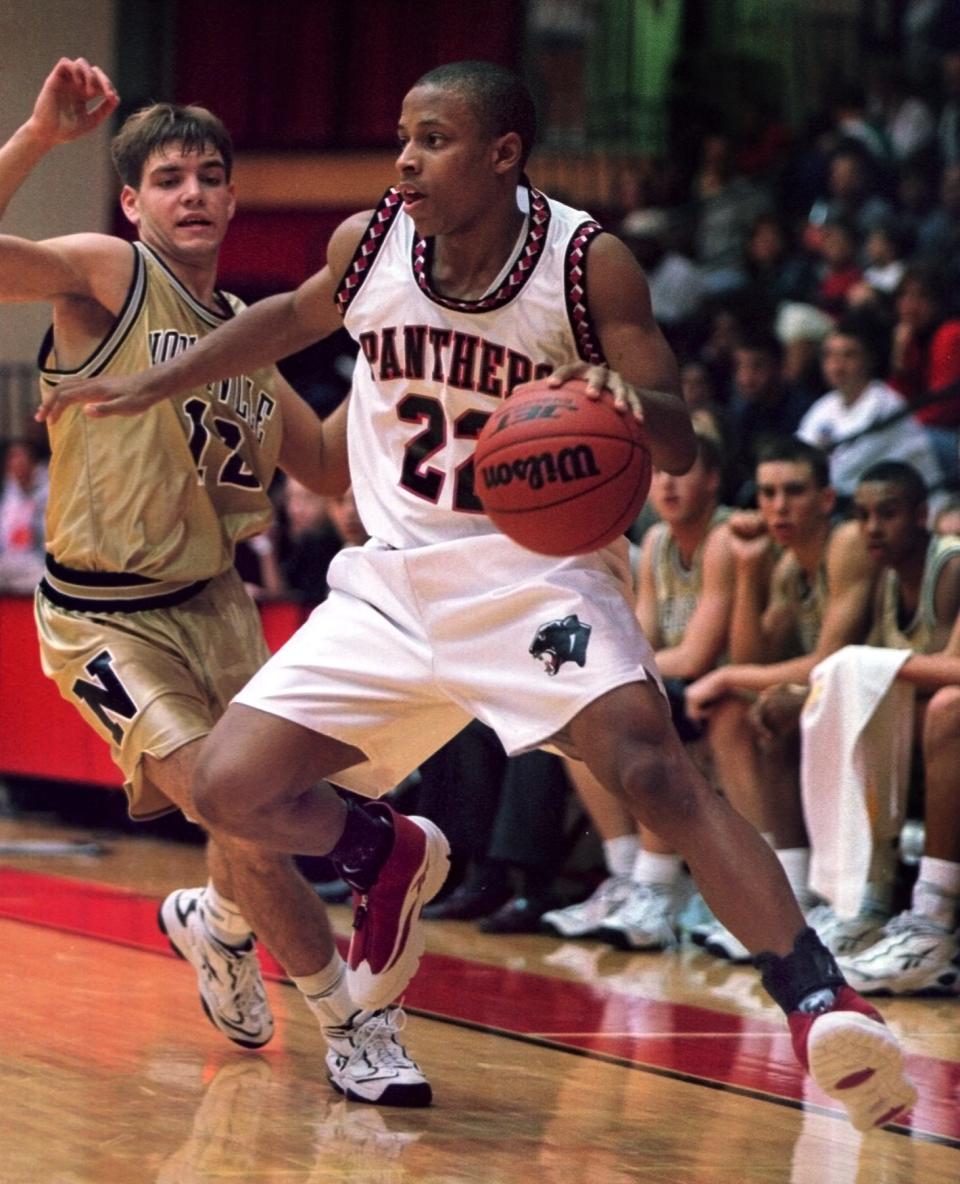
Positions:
{"x": 561, "y": 641}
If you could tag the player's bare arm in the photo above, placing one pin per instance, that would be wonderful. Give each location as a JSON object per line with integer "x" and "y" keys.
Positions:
{"x": 754, "y": 558}
{"x": 73, "y": 271}
{"x": 75, "y": 99}
{"x": 641, "y": 370}
{"x": 646, "y": 608}
{"x": 930, "y": 672}
{"x": 313, "y": 451}
{"x": 705, "y": 636}
{"x": 269, "y": 330}
{"x": 946, "y": 598}
{"x": 851, "y": 583}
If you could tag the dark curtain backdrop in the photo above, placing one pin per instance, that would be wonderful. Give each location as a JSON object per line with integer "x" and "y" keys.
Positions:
{"x": 327, "y": 74}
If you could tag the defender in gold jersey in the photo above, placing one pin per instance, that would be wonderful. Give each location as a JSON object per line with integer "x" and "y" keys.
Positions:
{"x": 143, "y": 621}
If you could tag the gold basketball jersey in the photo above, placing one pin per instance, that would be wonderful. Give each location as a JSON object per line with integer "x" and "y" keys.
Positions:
{"x": 922, "y": 634}
{"x": 159, "y": 498}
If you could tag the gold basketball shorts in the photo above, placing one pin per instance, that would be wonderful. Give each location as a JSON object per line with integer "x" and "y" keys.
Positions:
{"x": 150, "y": 681}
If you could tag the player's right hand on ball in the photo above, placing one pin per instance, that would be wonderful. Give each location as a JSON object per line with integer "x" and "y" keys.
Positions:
{"x": 626, "y": 399}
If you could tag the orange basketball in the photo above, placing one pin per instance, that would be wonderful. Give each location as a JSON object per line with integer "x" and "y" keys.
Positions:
{"x": 561, "y": 473}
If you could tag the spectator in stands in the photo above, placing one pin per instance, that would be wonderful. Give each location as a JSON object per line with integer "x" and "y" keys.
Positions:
{"x": 852, "y": 196}
{"x": 948, "y": 120}
{"x": 776, "y": 270}
{"x": 803, "y": 588}
{"x": 726, "y": 204}
{"x": 918, "y": 609}
{"x": 23, "y": 504}
{"x": 764, "y": 405}
{"x": 512, "y": 883}
{"x": 925, "y": 360}
{"x": 308, "y": 542}
{"x": 709, "y": 416}
{"x": 938, "y": 233}
{"x": 725, "y": 319}
{"x": 684, "y": 604}
{"x": 801, "y": 329}
{"x": 886, "y": 250}
{"x": 676, "y": 287}
{"x": 838, "y": 272}
{"x": 901, "y": 115}
{"x": 862, "y": 419}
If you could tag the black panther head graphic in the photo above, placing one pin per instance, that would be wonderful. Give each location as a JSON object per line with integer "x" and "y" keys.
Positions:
{"x": 561, "y": 641}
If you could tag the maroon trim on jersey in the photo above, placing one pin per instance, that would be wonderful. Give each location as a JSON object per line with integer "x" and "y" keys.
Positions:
{"x": 363, "y": 257}
{"x": 575, "y": 275}
{"x": 521, "y": 271}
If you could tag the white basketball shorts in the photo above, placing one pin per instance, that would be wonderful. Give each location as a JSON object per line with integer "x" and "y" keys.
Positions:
{"x": 411, "y": 644}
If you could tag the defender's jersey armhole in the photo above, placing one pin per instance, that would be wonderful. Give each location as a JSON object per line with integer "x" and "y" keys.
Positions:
{"x": 575, "y": 284}
{"x": 104, "y": 352}
{"x": 367, "y": 249}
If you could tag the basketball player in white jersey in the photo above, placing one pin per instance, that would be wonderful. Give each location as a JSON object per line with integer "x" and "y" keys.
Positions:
{"x": 464, "y": 282}
{"x": 143, "y": 621}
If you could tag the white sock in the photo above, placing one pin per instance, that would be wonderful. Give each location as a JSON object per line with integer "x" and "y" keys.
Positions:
{"x": 650, "y": 867}
{"x": 795, "y": 862}
{"x": 326, "y": 993}
{"x": 619, "y": 854}
{"x": 223, "y": 917}
{"x": 936, "y": 893}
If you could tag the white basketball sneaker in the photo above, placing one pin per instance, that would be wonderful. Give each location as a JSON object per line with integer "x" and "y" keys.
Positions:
{"x": 228, "y": 977}
{"x": 844, "y": 936}
{"x": 367, "y": 1063}
{"x": 722, "y": 944}
{"x": 585, "y": 918}
{"x": 913, "y": 956}
{"x": 649, "y": 919}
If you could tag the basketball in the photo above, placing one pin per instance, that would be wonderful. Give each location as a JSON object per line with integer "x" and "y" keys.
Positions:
{"x": 561, "y": 473}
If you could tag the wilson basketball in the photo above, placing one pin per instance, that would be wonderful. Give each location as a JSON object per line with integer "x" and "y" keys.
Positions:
{"x": 560, "y": 473}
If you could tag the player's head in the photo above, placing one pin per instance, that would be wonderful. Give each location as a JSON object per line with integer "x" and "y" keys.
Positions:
{"x": 464, "y": 131}
{"x": 890, "y": 505}
{"x": 175, "y": 163}
{"x": 498, "y": 99}
{"x": 679, "y": 500}
{"x": 162, "y": 126}
{"x": 794, "y": 494}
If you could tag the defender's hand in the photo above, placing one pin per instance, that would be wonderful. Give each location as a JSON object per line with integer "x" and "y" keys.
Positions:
{"x": 74, "y": 100}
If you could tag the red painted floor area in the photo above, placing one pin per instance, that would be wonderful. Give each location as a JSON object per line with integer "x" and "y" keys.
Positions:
{"x": 696, "y": 1043}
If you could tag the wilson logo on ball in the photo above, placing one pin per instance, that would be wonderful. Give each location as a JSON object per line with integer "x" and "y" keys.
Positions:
{"x": 560, "y": 472}
{"x": 568, "y": 464}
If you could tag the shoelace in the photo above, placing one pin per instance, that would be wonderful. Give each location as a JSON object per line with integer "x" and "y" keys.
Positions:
{"x": 246, "y": 985}
{"x": 374, "y": 1040}
{"x": 645, "y": 895}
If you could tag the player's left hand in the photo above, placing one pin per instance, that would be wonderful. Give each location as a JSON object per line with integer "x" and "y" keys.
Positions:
{"x": 626, "y": 397}
{"x": 124, "y": 394}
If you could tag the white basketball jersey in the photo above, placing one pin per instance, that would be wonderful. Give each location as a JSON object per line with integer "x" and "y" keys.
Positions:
{"x": 431, "y": 369}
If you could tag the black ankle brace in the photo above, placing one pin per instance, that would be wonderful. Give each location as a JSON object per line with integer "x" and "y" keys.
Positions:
{"x": 363, "y": 847}
{"x": 808, "y": 968}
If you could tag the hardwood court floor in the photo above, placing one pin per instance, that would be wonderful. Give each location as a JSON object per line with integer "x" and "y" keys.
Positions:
{"x": 552, "y": 1062}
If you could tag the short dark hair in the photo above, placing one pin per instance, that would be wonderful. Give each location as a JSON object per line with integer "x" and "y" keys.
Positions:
{"x": 899, "y": 473}
{"x": 709, "y": 452}
{"x": 793, "y": 450}
{"x": 498, "y": 97}
{"x": 154, "y": 128}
